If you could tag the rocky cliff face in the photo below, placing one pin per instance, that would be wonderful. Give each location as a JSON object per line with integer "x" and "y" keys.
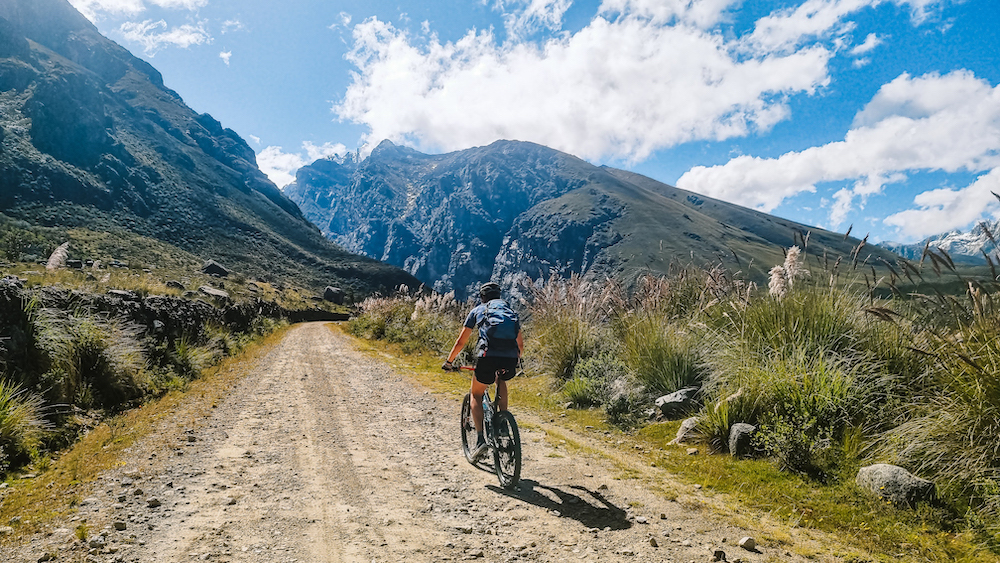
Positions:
{"x": 90, "y": 137}
{"x": 513, "y": 210}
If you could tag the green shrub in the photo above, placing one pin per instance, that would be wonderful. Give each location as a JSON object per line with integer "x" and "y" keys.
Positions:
{"x": 951, "y": 435}
{"x": 584, "y": 392}
{"x": 567, "y": 319}
{"x": 425, "y": 323}
{"x": 664, "y": 357}
{"x": 593, "y": 381}
{"x": 21, "y": 423}
{"x": 798, "y": 443}
{"x": 94, "y": 362}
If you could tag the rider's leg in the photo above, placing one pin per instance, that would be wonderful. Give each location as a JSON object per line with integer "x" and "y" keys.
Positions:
{"x": 501, "y": 394}
{"x": 477, "y": 391}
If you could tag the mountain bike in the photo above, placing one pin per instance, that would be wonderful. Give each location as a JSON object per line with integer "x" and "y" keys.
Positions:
{"x": 502, "y": 438}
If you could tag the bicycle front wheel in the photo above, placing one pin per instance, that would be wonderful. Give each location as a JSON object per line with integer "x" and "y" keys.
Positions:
{"x": 507, "y": 453}
{"x": 468, "y": 429}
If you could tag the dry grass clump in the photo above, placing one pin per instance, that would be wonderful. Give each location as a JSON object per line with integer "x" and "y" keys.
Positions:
{"x": 418, "y": 322}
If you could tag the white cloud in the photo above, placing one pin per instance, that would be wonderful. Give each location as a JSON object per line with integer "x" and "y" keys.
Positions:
{"x": 642, "y": 76}
{"x": 94, "y": 9}
{"x": 180, "y": 4}
{"x": 524, "y": 17}
{"x": 786, "y": 29}
{"x": 231, "y": 25}
{"x": 945, "y": 209}
{"x": 702, "y": 14}
{"x": 255, "y": 139}
{"x": 225, "y": 56}
{"x": 614, "y": 89}
{"x": 147, "y": 33}
{"x": 344, "y": 20}
{"x": 947, "y": 123}
{"x": 870, "y": 43}
{"x": 280, "y": 166}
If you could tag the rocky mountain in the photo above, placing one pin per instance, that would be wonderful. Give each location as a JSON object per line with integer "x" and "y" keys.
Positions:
{"x": 91, "y": 139}
{"x": 966, "y": 248}
{"x": 515, "y": 209}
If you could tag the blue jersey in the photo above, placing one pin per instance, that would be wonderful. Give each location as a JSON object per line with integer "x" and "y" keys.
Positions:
{"x": 498, "y": 326}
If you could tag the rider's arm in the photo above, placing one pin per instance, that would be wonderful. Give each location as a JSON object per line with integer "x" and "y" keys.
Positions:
{"x": 520, "y": 343}
{"x": 463, "y": 337}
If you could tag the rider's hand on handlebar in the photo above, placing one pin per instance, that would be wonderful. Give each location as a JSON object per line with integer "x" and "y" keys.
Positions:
{"x": 448, "y": 366}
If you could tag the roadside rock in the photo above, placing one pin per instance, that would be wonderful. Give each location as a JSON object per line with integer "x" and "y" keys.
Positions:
{"x": 334, "y": 295}
{"x": 213, "y": 268}
{"x": 687, "y": 432}
{"x": 678, "y": 403}
{"x": 740, "y": 436}
{"x": 214, "y": 293}
{"x": 895, "y": 484}
{"x": 748, "y": 543}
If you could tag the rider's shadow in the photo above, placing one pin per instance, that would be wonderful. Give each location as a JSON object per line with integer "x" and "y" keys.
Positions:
{"x": 590, "y": 508}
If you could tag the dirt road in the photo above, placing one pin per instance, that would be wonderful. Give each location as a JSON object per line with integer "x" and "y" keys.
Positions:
{"x": 324, "y": 454}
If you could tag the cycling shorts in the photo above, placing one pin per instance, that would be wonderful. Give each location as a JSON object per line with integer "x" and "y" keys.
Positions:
{"x": 487, "y": 368}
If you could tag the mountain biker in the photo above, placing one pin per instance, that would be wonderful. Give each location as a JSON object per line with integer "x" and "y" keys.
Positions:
{"x": 496, "y": 351}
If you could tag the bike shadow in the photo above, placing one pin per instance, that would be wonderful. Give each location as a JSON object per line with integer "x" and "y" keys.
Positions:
{"x": 589, "y": 508}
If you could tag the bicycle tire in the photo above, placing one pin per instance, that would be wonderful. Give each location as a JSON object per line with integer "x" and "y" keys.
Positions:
{"x": 468, "y": 429}
{"x": 507, "y": 449}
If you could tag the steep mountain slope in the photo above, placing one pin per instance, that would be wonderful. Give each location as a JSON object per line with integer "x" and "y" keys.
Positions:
{"x": 515, "y": 209}
{"x": 967, "y": 248}
{"x": 90, "y": 137}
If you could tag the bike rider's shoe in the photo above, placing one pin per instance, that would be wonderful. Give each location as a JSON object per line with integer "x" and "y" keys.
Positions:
{"x": 480, "y": 450}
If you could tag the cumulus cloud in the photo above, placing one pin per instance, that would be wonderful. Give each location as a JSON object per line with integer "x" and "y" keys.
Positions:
{"x": 225, "y": 56}
{"x": 870, "y": 43}
{"x": 281, "y": 166}
{"x": 945, "y": 209}
{"x": 643, "y": 75}
{"x": 153, "y": 36}
{"x": 617, "y": 88}
{"x": 934, "y": 122}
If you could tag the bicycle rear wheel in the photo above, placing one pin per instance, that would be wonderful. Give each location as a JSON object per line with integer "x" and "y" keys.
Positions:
{"x": 507, "y": 450}
{"x": 468, "y": 429}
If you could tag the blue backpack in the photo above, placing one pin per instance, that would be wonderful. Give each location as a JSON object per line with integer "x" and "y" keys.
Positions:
{"x": 498, "y": 330}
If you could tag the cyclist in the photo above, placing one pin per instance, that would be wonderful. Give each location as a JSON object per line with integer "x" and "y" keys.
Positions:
{"x": 498, "y": 351}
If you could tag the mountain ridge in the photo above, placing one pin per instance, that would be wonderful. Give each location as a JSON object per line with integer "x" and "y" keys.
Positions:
{"x": 513, "y": 210}
{"x": 968, "y": 248}
{"x": 90, "y": 137}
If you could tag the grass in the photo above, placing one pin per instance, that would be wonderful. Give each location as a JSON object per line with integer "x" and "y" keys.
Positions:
{"x": 750, "y": 490}
{"x": 58, "y": 489}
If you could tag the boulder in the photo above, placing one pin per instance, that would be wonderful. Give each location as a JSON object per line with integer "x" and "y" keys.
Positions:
{"x": 174, "y": 284}
{"x": 334, "y": 295}
{"x": 678, "y": 403}
{"x": 213, "y": 268}
{"x": 75, "y": 264}
{"x": 124, "y": 294}
{"x": 214, "y": 293}
{"x": 688, "y": 431}
{"x": 895, "y": 484}
{"x": 740, "y": 435}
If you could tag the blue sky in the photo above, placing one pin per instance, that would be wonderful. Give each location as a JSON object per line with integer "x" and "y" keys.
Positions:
{"x": 884, "y": 114}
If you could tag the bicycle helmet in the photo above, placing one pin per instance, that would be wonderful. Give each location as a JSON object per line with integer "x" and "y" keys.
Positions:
{"x": 489, "y": 291}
